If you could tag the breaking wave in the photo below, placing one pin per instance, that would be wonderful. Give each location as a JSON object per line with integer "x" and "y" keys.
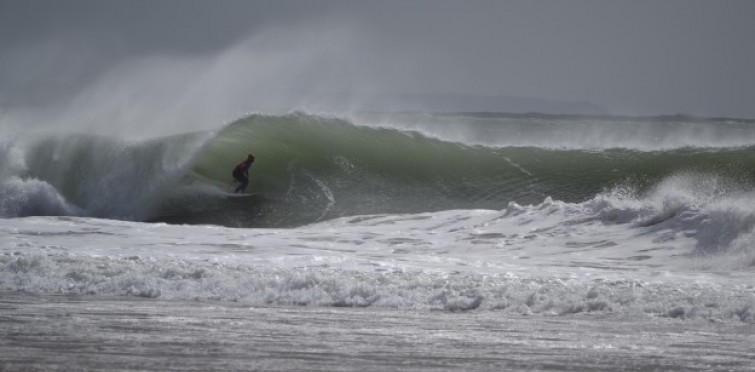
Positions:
{"x": 313, "y": 168}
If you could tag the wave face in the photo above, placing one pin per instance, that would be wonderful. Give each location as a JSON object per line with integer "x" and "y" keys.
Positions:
{"x": 312, "y": 168}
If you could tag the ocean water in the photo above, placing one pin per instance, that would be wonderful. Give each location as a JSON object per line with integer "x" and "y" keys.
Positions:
{"x": 383, "y": 242}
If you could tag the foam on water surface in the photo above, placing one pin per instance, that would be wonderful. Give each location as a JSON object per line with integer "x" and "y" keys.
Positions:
{"x": 551, "y": 258}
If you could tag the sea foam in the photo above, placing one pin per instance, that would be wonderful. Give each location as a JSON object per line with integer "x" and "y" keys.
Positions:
{"x": 601, "y": 256}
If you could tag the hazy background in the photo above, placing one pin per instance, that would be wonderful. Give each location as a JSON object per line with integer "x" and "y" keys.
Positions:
{"x": 198, "y": 61}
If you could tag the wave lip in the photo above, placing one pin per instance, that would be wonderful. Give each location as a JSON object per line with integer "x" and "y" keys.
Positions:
{"x": 574, "y": 132}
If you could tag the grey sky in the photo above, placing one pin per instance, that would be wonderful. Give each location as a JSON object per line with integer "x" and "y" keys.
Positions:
{"x": 632, "y": 57}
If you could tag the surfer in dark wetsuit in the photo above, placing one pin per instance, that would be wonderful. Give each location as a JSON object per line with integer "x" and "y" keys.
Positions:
{"x": 241, "y": 173}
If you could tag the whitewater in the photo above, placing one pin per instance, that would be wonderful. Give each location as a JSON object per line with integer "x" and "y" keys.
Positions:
{"x": 442, "y": 241}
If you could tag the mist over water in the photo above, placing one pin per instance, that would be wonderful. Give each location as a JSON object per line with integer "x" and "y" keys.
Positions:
{"x": 272, "y": 70}
{"x": 454, "y": 179}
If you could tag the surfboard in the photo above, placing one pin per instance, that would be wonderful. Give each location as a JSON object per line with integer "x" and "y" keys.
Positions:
{"x": 238, "y": 195}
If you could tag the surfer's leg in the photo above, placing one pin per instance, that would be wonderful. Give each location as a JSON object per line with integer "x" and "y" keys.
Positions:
{"x": 236, "y": 179}
{"x": 244, "y": 182}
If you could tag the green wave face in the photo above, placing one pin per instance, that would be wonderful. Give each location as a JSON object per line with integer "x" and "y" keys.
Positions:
{"x": 311, "y": 168}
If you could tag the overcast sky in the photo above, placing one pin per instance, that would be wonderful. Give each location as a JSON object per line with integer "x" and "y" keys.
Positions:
{"x": 631, "y": 57}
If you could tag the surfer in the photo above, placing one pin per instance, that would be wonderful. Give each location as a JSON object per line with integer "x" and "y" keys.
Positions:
{"x": 241, "y": 173}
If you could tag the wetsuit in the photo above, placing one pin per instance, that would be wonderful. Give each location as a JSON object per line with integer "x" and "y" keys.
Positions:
{"x": 241, "y": 174}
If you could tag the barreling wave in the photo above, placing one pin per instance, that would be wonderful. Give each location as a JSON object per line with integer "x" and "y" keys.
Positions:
{"x": 312, "y": 168}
